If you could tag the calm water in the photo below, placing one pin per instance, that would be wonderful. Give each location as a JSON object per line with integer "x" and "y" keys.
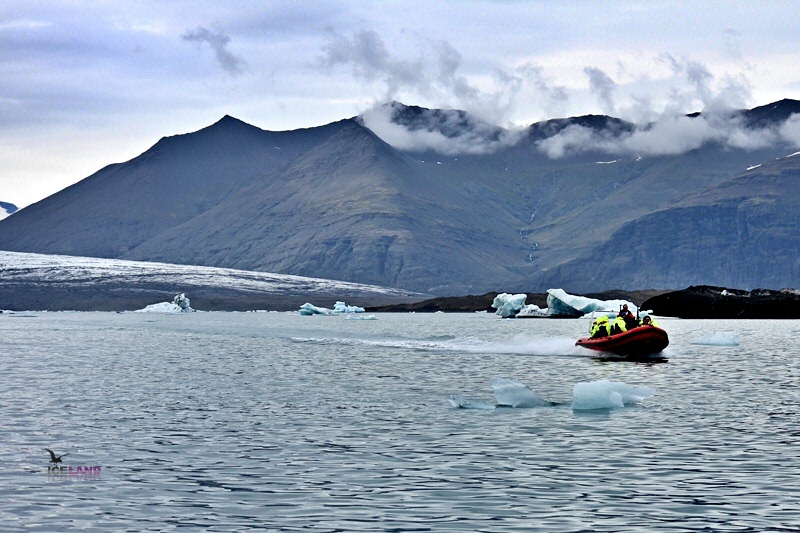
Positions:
{"x": 223, "y": 421}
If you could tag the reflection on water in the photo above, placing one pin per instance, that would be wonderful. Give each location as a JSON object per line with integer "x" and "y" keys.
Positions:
{"x": 224, "y": 421}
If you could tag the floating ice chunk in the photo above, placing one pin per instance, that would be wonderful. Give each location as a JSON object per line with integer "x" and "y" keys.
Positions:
{"x": 510, "y": 393}
{"x": 183, "y": 302}
{"x": 361, "y": 317}
{"x": 163, "y": 307}
{"x": 463, "y": 403}
{"x": 719, "y": 338}
{"x": 606, "y": 394}
{"x": 179, "y": 304}
{"x": 532, "y": 310}
{"x": 341, "y": 307}
{"x": 307, "y": 309}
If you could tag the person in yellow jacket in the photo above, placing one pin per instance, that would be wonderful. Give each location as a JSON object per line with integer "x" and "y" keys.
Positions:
{"x": 618, "y": 326}
{"x": 600, "y": 327}
{"x": 647, "y": 321}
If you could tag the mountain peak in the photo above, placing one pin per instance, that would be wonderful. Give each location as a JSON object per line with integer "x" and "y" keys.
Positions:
{"x": 771, "y": 114}
{"x": 549, "y": 128}
{"x": 228, "y": 122}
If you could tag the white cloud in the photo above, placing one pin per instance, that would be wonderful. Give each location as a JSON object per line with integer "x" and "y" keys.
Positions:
{"x": 446, "y": 132}
{"x": 790, "y": 130}
{"x": 673, "y": 135}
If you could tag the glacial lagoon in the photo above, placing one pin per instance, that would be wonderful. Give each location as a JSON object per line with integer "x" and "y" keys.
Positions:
{"x": 225, "y": 421}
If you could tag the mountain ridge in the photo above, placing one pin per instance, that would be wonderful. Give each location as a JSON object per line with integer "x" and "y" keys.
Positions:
{"x": 337, "y": 201}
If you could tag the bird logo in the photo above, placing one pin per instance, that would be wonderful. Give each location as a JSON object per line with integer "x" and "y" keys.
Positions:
{"x": 53, "y": 458}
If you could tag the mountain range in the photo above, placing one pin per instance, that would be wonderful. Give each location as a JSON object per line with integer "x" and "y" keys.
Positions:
{"x": 442, "y": 203}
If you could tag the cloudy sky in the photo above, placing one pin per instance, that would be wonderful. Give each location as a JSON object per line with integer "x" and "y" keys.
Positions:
{"x": 86, "y": 83}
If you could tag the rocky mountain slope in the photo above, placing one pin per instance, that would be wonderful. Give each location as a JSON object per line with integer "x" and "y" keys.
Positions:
{"x": 566, "y": 203}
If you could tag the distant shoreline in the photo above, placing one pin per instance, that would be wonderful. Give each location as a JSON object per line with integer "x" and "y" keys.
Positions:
{"x": 698, "y": 302}
{"x": 702, "y": 302}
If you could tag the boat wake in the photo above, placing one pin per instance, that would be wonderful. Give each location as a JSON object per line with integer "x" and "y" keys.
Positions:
{"x": 526, "y": 346}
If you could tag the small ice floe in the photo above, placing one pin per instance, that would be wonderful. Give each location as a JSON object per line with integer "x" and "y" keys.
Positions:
{"x": 179, "y": 304}
{"x": 341, "y": 307}
{"x": 605, "y": 162}
{"x": 307, "y": 310}
{"x": 754, "y": 167}
{"x": 463, "y": 403}
{"x": 718, "y": 338}
{"x": 338, "y": 308}
{"x": 361, "y": 317}
{"x": 606, "y": 394}
{"x": 511, "y": 393}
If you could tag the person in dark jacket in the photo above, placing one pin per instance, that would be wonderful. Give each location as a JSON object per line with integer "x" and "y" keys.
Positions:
{"x": 627, "y": 316}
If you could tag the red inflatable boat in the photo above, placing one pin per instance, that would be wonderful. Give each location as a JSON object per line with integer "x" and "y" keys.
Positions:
{"x": 639, "y": 341}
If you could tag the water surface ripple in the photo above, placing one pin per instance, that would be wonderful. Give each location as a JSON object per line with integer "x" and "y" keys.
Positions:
{"x": 225, "y": 421}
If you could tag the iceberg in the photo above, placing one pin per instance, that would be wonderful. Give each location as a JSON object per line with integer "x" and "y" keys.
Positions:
{"x": 718, "y": 338}
{"x": 179, "y": 304}
{"x": 605, "y": 394}
{"x": 559, "y": 304}
{"x": 307, "y": 310}
{"x": 183, "y": 302}
{"x": 508, "y": 305}
{"x": 510, "y": 393}
{"x": 513, "y": 305}
{"x": 338, "y": 308}
{"x": 341, "y": 307}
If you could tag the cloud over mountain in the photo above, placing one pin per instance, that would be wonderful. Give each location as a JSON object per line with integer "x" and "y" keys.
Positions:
{"x": 230, "y": 63}
{"x": 674, "y": 135}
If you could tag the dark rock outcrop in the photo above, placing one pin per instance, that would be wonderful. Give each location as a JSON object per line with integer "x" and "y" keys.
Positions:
{"x": 704, "y": 301}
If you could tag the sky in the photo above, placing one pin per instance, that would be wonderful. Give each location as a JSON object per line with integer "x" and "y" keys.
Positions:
{"x": 87, "y": 83}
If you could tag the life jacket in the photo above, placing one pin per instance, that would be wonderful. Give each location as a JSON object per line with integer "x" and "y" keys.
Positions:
{"x": 618, "y": 326}
{"x": 652, "y": 323}
{"x": 600, "y": 328}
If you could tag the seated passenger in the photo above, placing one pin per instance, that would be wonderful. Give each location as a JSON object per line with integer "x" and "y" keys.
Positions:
{"x": 647, "y": 321}
{"x": 600, "y": 327}
{"x": 618, "y": 326}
